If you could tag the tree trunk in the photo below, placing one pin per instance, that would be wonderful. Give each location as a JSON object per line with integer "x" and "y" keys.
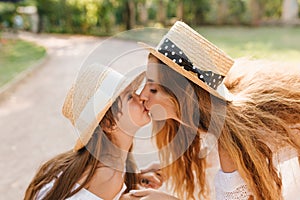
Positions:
{"x": 161, "y": 12}
{"x": 143, "y": 13}
{"x": 256, "y": 11}
{"x": 130, "y": 14}
{"x": 222, "y": 12}
{"x": 180, "y": 10}
{"x": 290, "y": 9}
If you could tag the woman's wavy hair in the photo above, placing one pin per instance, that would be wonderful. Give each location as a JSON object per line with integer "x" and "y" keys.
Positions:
{"x": 68, "y": 168}
{"x": 259, "y": 121}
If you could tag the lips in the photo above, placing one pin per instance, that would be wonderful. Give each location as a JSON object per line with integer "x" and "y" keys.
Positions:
{"x": 145, "y": 109}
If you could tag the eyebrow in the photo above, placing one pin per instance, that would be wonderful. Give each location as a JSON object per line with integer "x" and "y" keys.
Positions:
{"x": 127, "y": 91}
{"x": 150, "y": 80}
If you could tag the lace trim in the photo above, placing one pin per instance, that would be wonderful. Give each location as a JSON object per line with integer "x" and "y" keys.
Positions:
{"x": 231, "y": 186}
{"x": 240, "y": 193}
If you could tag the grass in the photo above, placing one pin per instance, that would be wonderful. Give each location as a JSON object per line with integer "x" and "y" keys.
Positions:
{"x": 16, "y": 56}
{"x": 274, "y": 43}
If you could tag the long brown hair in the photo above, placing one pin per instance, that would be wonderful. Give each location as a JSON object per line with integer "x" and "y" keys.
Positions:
{"x": 254, "y": 126}
{"x": 67, "y": 168}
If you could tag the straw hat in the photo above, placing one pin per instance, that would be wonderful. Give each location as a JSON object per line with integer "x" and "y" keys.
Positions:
{"x": 188, "y": 53}
{"x": 90, "y": 97}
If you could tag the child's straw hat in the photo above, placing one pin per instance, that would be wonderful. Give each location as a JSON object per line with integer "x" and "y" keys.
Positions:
{"x": 90, "y": 97}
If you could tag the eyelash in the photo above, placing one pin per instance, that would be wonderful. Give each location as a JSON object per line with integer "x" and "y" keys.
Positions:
{"x": 153, "y": 91}
{"x": 129, "y": 96}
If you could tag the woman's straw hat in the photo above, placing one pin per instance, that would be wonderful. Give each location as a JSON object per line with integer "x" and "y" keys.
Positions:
{"x": 90, "y": 97}
{"x": 188, "y": 53}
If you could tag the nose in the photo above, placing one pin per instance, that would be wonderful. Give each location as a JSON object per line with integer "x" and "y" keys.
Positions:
{"x": 144, "y": 94}
{"x": 137, "y": 98}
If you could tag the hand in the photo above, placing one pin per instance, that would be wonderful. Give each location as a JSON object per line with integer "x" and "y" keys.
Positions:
{"x": 151, "y": 177}
{"x": 152, "y": 180}
{"x": 128, "y": 196}
{"x": 150, "y": 194}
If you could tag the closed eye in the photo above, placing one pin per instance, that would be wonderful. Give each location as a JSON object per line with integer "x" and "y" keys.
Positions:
{"x": 153, "y": 91}
{"x": 129, "y": 96}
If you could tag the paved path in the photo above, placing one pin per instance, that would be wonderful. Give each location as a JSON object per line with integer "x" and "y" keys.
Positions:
{"x": 32, "y": 126}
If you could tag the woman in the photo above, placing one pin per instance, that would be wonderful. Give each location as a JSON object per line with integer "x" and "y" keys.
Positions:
{"x": 106, "y": 112}
{"x": 252, "y": 122}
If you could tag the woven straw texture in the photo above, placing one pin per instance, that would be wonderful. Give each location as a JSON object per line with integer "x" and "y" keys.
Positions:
{"x": 88, "y": 82}
{"x": 202, "y": 53}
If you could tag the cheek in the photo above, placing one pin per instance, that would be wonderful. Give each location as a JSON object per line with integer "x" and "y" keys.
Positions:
{"x": 134, "y": 112}
{"x": 154, "y": 100}
{"x": 162, "y": 108}
{"x": 158, "y": 112}
{"x": 162, "y": 100}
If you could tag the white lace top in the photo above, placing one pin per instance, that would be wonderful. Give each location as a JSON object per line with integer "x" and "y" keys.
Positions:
{"x": 82, "y": 194}
{"x": 230, "y": 186}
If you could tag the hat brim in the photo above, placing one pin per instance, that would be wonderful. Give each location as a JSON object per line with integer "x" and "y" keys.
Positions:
{"x": 189, "y": 75}
{"x": 86, "y": 135}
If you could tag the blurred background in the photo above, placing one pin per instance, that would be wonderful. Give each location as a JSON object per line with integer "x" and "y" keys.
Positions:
{"x": 105, "y": 17}
{"x": 44, "y": 42}
{"x": 256, "y": 28}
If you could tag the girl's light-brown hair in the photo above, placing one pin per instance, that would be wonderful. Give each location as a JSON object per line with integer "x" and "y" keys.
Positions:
{"x": 256, "y": 124}
{"x": 68, "y": 168}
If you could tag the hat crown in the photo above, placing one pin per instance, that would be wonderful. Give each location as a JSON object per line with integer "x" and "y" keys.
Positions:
{"x": 88, "y": 100}
{"x": 201, "y": 53}
{"x": 95, "y": 90}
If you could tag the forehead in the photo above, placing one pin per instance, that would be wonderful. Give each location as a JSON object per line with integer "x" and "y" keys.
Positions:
{"x": 136, "y": 83}
{"x": 152, "y": 70}
{"x": 130, "y": 89}
{"x": 133, "y": 87}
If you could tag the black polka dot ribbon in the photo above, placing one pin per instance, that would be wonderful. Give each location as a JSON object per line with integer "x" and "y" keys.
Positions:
{"x": 170, "y": 50}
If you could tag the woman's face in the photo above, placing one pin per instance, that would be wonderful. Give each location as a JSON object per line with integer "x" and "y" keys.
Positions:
{"x": 133, "y": 113}
{"x": 156, "y": 100}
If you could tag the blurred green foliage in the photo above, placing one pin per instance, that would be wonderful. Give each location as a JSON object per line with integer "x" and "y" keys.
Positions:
{"x": 102, "y": 17}
{"x": 273, "y": 8}
{"x": 77, "y": 16}
{"x": 7, "y": 10}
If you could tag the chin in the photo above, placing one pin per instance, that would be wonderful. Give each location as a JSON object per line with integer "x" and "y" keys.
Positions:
{"x": 145, "y": 123}
{"x": 159, "y": 118}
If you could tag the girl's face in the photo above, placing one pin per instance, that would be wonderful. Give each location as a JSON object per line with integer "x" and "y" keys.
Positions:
{"x": 156, "y": 100}
{"x": 133, "y": 113}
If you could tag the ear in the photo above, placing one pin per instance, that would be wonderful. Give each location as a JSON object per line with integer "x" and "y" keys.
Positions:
{"x": 108, "y": 127}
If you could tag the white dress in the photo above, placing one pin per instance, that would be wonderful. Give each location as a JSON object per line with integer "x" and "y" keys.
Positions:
{"x": 231, "y": 186}
{"x": 82, "y": 194}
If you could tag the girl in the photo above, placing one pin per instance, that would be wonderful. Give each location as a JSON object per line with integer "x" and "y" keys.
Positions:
{"x": 106, "y": 112}
{"x": 252, "y": 122}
